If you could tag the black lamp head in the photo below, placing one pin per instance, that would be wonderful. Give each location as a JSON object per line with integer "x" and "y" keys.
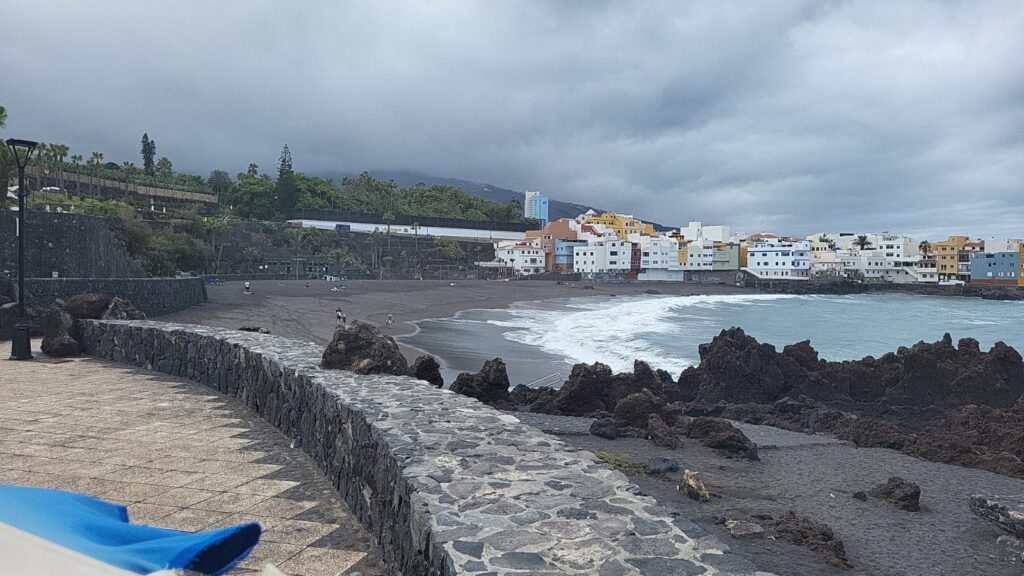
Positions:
{"x": 22, "y": 150}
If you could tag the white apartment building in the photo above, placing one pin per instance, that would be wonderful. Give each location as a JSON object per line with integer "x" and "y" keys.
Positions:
{"x": 659, "y": 252}
{"x": 524, "y": 258}
{"x": 697, "y": 230}
{"x": 995, "y": 244}
{"x": 700, "y": 255}
{"x": 603, "y": 256}
{"x": 775, "y": 259}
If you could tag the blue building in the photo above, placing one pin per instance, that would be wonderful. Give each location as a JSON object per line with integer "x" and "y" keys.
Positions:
{"x": 564, "y": 254}
{"x": 996, "y": 268}
{"x": 536, "y": 206}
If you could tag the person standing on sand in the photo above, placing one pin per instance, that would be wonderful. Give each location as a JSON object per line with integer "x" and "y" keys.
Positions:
{"x": 340, "y": 316}
{"x": 390, "y": 321}
{"x": 246, "y": 287}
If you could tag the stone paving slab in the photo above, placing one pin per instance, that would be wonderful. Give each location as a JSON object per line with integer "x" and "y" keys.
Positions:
{"x": 179, "y": 455}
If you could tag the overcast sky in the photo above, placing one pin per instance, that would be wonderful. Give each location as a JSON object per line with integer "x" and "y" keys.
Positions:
{"x": 793, "y": 117}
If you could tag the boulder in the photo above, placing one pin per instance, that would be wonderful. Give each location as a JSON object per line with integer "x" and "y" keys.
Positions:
{"x": 256, "y": 329}
{"x": 900, "y": 493}
{"x": 490, "y": 385}
{"x": 605, "y": 428}
{"x": 1003, "y": 512}
{"x": 427, "y": 368}
{"x": 87, "y": 306}
{"x": 812, "y": 535}
{"x": 61, "y": 346}
{"x": 723, "y": 436}
{"x": 364, "y": 349}
{"x": 121, "y": 309}
{"x": 659, "y": 465}
{"x": 58, "y": 328}
{"x": 693, "y": 487}
{"x": 660, "y": 433}
{"x": 744, "y": 529}
{"x": 635, "y": 409}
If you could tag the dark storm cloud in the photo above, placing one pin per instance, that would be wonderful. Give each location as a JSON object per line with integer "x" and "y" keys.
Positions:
{"x": 790, "y": 116}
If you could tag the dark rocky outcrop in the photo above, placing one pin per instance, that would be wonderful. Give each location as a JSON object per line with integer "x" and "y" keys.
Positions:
{"x": 256, "y": 329}
{"x": 660, "y": 433}
{"x": 428, "y": 369}
{"x": 364, "y": 349}
{"x": 87, "y": 306}
{"x": 490, "y": 385}
{"x": 812, "y": 535}
{"x": 900, "y": 493}
{"x": 1005, "y": 513}
{"x": 605, "y": 428}
{"x": 723, "y": 436}
{"x": 736, "y": 368}
{"x": 121, "y": 309}
{"x": 635, "y": 409}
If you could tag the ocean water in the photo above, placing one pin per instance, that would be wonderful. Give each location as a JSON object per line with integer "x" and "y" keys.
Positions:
{"x": 540, "y": 341}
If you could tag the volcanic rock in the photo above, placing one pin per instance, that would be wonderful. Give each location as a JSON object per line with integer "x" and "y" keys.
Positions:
{"x": 635, "y": 409}
{"x": 256, "y": 329}
{"x": 489, "y": 385}
{"x": 427, "y": 368}
{"x": 723, "y": 436}
{"x": 87, "y": 306}
{"x": 605, "y": 428}
{"x": 812, "y": 535}
{"x": 364, "y": 349}
{"x": 58, "y": 327}
{"x": 737, "y": 368}
{"x": 659, "y": 465}
{"x": 121, "y": 309}
{"x": 900, "y": 493}
{"x": 1005, "y": 513}
{"x": 693, "y": 487}
{"x": 660, "y": 433}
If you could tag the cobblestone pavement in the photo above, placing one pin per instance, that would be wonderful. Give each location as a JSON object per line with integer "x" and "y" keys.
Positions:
{"x": 178, "y": 455}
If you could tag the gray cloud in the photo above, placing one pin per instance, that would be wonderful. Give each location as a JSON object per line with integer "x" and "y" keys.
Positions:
{"x": 790, "y": 116}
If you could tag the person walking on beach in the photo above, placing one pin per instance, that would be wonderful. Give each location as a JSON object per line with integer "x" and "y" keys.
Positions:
{"x": 390, "y": 321}
{"x": 246, "y": 287}
{"x": 340, "y": 316}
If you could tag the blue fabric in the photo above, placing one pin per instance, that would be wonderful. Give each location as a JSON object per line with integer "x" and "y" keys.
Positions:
{"x": 101, "y": 530}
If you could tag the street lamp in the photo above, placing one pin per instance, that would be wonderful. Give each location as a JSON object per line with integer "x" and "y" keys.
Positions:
{"x": 21, "y": 343}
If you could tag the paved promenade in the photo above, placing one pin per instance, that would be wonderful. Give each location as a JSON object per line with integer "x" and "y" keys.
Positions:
{"x": 178, "y": 455}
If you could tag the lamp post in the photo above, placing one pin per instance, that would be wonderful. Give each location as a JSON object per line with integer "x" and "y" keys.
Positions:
{"x": 21, "y": 343}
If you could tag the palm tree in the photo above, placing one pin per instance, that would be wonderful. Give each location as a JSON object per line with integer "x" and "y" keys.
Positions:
{"x": 3, "y": 116}
{"x": 97, "y": 161}
{"x": 926, "y": 248}
{"x": 60, "y": 152}
{"x": 76, "y": 161}
{"x": 862, "y": 242}
{"x": 127, "y": 167}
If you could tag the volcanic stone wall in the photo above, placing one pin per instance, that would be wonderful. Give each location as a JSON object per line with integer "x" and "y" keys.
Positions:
{"x": 446, "y": 484}
{"x": 154, "y": 296}
{"x": 72, "y": 245}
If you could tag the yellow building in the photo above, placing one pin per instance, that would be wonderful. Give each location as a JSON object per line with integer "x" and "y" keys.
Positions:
{"x": 1020, "y": 266}
{"x": 622, "y": 224}
{"x": 947, "y": 256}
{"x": 684, "y": 250}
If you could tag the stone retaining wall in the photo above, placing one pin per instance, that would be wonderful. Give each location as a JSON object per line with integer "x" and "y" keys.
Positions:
{"x": 154, "y": 296}
{"x": 446, "y": 484}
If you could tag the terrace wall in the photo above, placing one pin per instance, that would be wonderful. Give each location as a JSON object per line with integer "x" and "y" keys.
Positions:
{"x": 446, "y": 484}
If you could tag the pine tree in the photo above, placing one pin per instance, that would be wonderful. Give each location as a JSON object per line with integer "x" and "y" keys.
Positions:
{"x": 286, "y": 190}
{"x": 148, "y": 153}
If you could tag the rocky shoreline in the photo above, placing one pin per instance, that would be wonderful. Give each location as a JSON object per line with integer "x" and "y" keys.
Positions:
{"x": 844, "y": 288}
{"x": 943, "y": 402}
